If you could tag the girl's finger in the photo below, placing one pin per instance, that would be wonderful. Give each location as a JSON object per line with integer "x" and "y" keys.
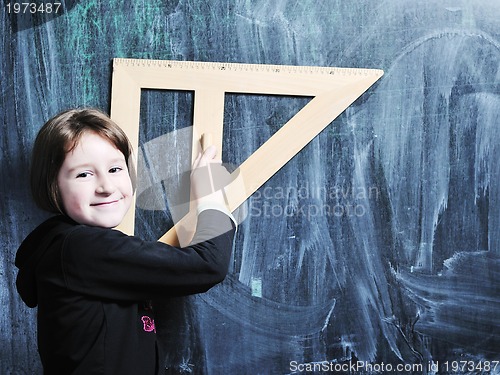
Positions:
{"x": 210, "y": 152}
{"x": 207, "y": 156}
{"x": 197, "y": 161}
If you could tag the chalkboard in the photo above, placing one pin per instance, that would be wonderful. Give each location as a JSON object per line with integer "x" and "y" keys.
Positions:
{"x": 377, "y": 246}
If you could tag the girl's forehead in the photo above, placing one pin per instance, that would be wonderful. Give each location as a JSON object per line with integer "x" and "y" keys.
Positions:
{"x": 93, "y": 145}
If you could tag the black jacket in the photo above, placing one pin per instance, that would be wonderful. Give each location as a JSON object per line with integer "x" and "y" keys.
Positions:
{"x": 91, "y": 284}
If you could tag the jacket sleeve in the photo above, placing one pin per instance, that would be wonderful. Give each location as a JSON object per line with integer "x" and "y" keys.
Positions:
{"x": 106, "y": 263}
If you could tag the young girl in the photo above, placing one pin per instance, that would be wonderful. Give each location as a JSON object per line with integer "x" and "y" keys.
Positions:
{"x": 91, "y": 283}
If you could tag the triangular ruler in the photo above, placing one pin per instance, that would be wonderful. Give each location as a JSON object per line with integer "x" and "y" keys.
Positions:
{"x": 332, "y": 89}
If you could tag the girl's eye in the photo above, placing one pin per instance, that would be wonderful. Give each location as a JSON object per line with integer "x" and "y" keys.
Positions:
{"x": 83, "y": 175}
{"x": 115, "y": 169}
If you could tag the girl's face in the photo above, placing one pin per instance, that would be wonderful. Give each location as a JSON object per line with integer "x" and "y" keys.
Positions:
{"x": 94, "y": 183}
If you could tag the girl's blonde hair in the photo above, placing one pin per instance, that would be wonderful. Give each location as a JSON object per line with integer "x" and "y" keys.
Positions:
{"x": 61, "y": 135}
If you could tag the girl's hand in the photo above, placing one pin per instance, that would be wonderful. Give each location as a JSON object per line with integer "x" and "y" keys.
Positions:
{"x": 208, "y": 178}
{"x": 205, "y": 158}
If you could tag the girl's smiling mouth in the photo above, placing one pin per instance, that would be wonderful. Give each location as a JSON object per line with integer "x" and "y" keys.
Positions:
{"x": 104, "y": 204}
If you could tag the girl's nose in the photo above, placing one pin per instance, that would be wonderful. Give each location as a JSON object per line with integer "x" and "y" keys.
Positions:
{"x": 105, "y": 186}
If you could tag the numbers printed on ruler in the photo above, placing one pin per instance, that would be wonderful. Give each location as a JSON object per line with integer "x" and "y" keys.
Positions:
{"x": 242, "y": 67}
{"x": 33, "y": 8}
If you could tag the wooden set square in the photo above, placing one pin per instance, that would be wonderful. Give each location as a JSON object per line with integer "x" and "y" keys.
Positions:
{"x": 332, "y": 91}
